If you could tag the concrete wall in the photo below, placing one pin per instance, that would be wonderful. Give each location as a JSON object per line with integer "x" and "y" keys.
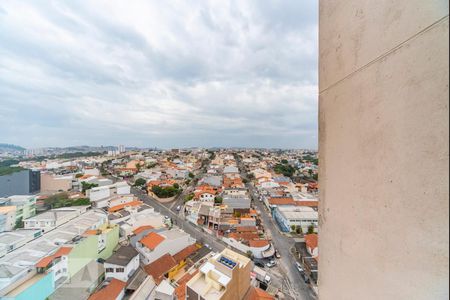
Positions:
{"x": 51, "y": 183}
{"x": 384, "y": 149}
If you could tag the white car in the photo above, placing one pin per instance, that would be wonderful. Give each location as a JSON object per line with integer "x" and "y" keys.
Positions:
{"x": 271, "y": 264}
{"x": 178, "y": 207}
{"x": 299, "y": 267}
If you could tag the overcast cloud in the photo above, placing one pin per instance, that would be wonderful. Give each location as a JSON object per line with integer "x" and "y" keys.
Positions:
{"x": 172, "y": 73}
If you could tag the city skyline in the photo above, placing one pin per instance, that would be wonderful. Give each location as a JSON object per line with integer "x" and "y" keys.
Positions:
{"x": 167, "y": 75}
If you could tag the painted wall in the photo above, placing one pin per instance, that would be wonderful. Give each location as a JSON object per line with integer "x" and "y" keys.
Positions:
{"x": 384, "y": 144}
{"x": 87, "y": 250}
{"x": 39, "y": 290}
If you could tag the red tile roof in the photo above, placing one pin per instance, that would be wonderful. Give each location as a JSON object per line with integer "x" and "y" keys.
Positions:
{"x": 142, "y": 229}
{"x": 185, "y": 253}
{"x": 312, "y": 241}
{"x": 122, "y": 206}
{"x": 152, "y": 240}
{"x": 258, "y": 294}
{"x": 180, "y": 291}
{"x": 246, "y": 229}
{"x": 160, "y": 267}
{"x": 258, "y": 243}
{"x": 281, "y": 201}
{"x": 109, "y": 292}
{"x": 46, "y": 261}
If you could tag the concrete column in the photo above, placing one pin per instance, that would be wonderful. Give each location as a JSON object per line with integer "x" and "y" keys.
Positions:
{"x": 384, "y": 149}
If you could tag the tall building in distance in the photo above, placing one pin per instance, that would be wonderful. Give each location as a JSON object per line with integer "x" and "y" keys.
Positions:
{"x": 384, "y": 149}
{"x": 121, "y": 149}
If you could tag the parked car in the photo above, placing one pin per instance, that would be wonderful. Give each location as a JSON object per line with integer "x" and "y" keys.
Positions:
{"x": 277, "y": 254}
{"x": 299, "y": 267}
{"x": 271, "y": 264}
{"x": 259, "y": 264}
{"x": 178, "y": 207}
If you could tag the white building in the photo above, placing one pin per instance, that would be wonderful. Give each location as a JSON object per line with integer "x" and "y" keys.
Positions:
{"x": 103, "y": 192}
{"x": 7, "y": 218}
{"x": 289, "y": 215}
{"x": 122, "y": 264}
{"x": 155, "y": 245}
{"x": 53, "y": 218}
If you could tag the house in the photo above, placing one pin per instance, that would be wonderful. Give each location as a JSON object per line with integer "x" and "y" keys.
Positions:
{"x": 155, "y": 245}
{"x": 312, "y": 244}
{"x": 226, "y": 276}
{"x": 53, "y": 218}
{"x": 114, "y": 290}
{"x": 7, "y": 218}
{"x": 122, "y": 264}
{"x": 25, "y": 206}
{"x": 165, "y": 291}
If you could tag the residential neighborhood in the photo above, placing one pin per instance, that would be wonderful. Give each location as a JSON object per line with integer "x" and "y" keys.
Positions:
{"x": 160, "y": 224}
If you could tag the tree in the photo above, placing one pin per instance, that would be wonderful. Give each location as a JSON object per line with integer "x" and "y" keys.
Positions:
{"x": 191, "y": 175}
{"x": 293, "y": 228}
{"x": 19, "y": 223}
{"x": 284, "y": 162}
{"x": 177, "y": 186}
{"x": 250, "y": 254}
{"x": 311, "y": 229}
{"x": 299, "y": 230}
{"x": 218, "y": 200}
{"x": 189, "y": 197}
{"x": 87, "y": 186}
{"x": 78, "y": 175}
{"x": 237, "y": 214}
{"x": 140, "y": 182}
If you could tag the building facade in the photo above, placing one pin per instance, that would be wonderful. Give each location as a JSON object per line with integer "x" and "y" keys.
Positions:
{"x": 25, "y": 182}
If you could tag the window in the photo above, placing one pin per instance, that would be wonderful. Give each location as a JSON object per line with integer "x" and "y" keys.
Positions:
{"x": 120, "y": 270}
{"x": 110, "y": 270}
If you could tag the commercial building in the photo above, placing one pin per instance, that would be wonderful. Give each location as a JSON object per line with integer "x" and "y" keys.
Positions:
{"x": 288, "y": 216}
{"x": 226, "y": 276}
{"x": 104, "y": 192}
{"x": 384, "y": 146}
{"x": 51, "y": 183}
{"x": 25, "y": 182}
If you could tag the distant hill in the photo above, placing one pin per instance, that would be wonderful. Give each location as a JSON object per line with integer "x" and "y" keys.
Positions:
{"x": 10, "y": 148}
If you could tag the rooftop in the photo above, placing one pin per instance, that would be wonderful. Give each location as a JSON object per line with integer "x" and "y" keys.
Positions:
{"x": 123, "y": 256}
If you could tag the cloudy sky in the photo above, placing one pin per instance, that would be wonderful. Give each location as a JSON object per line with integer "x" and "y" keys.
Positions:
{"x": 173, "y": 73}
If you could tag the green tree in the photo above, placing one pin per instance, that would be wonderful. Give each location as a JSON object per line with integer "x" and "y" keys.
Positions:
{"x": 191, "y": 175}
{"x": 299, "y": 230}
{"x": 293, "y": 228}
{"x": 140, "y": 182}
{"x": 284, "y": 162}
{"x": 189, "y": 197}
{"x": 311, "y": 229}
{"x": 78, "y": 175}
{"x": 218, "y": 200}
{"x": 87, "y": 186}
